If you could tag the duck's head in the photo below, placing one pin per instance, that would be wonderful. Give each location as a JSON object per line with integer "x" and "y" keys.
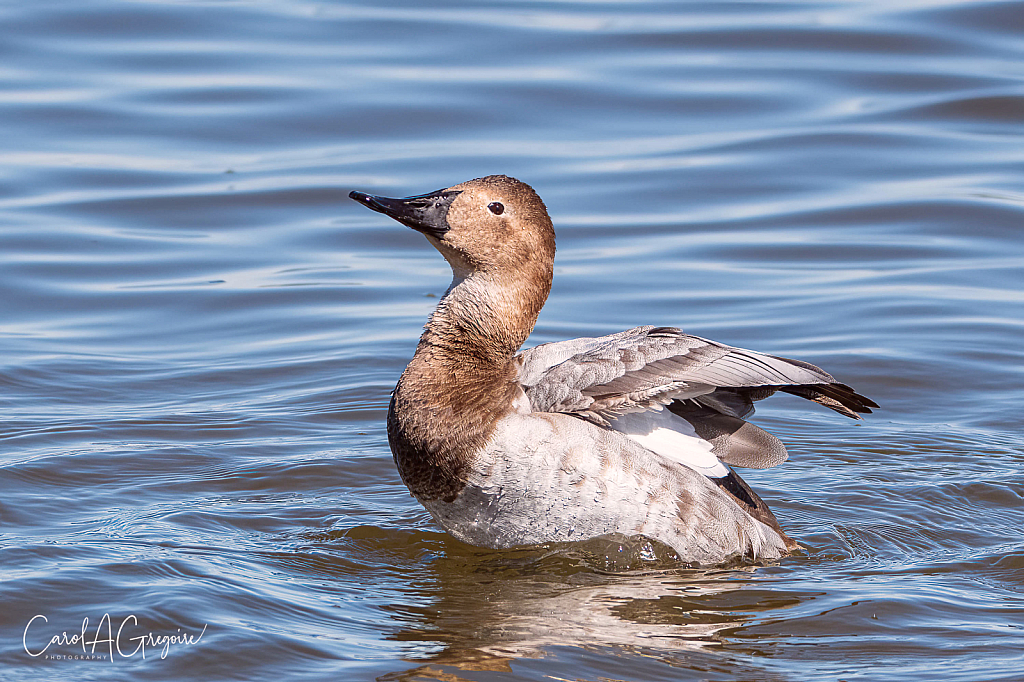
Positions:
{"x": 494, "y": 226}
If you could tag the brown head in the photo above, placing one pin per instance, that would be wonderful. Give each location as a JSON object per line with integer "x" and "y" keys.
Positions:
{"x": 494, "y": 231}
{"x": 490, "y": 224}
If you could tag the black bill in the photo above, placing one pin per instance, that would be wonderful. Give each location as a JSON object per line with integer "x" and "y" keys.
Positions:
{"x": 426, "y": 213}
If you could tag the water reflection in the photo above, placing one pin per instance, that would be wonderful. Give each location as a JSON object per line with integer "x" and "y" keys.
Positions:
{"x": 484, "y": 610}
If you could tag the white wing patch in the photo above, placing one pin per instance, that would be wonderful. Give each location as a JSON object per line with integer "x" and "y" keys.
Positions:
{"x": 673, "y": 438}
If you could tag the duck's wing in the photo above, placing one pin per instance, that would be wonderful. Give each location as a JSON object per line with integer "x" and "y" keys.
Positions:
{"x": 710, "y": 385}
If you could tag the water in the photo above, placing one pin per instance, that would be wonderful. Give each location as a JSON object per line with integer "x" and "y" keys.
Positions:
{"x": 199, "y": 331}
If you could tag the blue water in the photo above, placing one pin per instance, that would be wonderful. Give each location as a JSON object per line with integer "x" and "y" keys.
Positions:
{"x": 199, "y": 332}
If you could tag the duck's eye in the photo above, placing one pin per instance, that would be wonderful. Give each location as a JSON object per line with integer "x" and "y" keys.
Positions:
{"x": 496, "y": 208}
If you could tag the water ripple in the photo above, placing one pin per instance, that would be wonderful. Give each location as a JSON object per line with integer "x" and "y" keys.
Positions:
{"x": 201, "y": 333}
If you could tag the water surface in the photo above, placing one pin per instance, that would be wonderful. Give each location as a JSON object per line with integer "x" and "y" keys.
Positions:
{"x": 199, "y": 331}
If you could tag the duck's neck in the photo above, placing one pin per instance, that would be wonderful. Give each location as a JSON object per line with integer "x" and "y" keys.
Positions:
{"x": 461, "y": 380}
{"x": 486, "y": 316}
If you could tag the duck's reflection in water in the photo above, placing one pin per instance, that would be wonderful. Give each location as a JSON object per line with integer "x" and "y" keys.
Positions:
{"x": 489, "y": 609}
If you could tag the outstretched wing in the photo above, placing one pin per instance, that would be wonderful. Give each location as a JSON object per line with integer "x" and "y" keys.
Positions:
{"x": 710, "y": 385}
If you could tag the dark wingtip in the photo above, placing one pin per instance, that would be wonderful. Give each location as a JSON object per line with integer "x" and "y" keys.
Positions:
{"x": 835, "y": 396}
{"x": 864, "y": 403}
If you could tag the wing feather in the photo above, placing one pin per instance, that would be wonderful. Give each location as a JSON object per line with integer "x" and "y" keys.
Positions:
{"x": 648, "y": 367}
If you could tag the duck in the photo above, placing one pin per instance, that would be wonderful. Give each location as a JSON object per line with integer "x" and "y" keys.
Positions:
{"x": 633, "y": 434}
